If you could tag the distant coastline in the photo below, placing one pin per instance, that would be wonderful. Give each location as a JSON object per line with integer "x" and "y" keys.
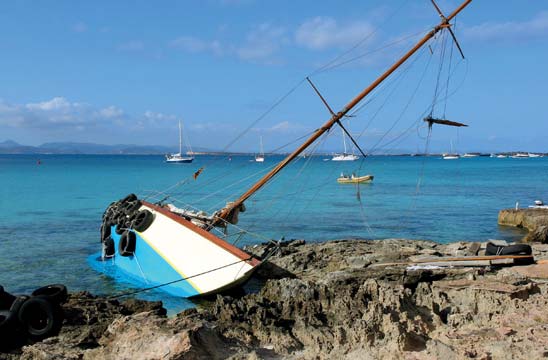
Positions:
{"x": 10, "y": 147}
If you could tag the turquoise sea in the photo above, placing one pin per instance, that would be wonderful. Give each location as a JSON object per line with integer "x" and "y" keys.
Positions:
{"x": 51, "y": 213}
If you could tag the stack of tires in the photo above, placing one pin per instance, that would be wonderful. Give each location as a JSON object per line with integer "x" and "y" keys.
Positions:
{"x": 33, "y": 317}
{"x": 125, "y": 217}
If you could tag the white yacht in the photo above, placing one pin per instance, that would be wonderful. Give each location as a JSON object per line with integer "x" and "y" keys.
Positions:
{"x": 179, "y": 157}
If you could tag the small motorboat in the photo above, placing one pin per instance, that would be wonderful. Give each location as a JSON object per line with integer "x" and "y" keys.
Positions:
{"x": 353, "y": 179}
{"x": 538, "y": 205}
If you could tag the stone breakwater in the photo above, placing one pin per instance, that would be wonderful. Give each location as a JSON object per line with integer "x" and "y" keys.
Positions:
{"x": 324, "y": 301}
{"x": 534, "y": 220}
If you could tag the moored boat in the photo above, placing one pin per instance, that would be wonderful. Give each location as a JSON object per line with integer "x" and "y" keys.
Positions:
{"x": 448, "y": 156}
{"x": 353, "y": 179}
{"x": 260, "y": 157}
{"x": 470, "y": 155}
{"x": 179, "y": 157}
{"x": 345, "y": 156}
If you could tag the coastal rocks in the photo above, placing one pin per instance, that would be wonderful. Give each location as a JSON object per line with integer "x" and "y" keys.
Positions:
{"x": 539, "y": 234}
{"x": 147, "y": 336}
{"x": 86, "y": 319}
{"x": 336, "y": 299}
{"x": 534, "y": 220}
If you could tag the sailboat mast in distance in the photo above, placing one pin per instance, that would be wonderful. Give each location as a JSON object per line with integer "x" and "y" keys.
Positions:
{"x": 179, "y": 157}
{"x": 229, "y": 210}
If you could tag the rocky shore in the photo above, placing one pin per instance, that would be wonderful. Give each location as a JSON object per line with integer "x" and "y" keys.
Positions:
{"x": 534, "y": 220}
{"x": 328, "y": 300}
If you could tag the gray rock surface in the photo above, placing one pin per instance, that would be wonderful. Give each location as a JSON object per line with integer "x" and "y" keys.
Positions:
{"x": 324, "y": 301}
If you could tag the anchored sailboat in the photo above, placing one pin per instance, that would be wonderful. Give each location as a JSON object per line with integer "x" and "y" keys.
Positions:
{"x": 345, "y": 156}
{"x": 451, "y": 155}
{"x": 179, "y": 157}
{"x": 260, "y": 156}
{"x": 176, "y": 249}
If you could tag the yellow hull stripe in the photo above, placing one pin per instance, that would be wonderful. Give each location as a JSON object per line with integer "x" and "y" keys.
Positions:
{"x": 179, "y": 271}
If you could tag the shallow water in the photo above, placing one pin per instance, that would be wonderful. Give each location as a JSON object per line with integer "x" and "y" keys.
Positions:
{"x": 51, "y": 212}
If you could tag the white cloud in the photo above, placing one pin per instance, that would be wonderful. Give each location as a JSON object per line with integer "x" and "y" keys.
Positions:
{"x": 57, "y": 103}
{"x": 537, "y": 27}
{"x": 263, "y": 43}
{"x": 324, "y": 32}
{"x": 57, "y": 113}
{"x": 111, "y": 112}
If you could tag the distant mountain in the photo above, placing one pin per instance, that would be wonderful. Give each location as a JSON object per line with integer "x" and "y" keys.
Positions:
{"x": 12, "y": 147}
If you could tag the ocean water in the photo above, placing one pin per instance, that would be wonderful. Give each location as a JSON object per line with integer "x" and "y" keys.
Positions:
{"x": 51, "y": 213}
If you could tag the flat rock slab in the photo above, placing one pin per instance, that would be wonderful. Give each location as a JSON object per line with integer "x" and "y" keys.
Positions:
{"x": 536, "y": 271}
{"x": 481, "y": 284}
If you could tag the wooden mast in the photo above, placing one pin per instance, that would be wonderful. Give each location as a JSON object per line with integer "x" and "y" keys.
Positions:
{"x": 229, "y": 209}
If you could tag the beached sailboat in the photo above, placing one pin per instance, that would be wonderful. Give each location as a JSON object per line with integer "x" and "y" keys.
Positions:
{"x": 179, "y": 157}
{"x": 345, "y": 156}
{"x": 177, "y": 250}
{"x": 260, "y": 156}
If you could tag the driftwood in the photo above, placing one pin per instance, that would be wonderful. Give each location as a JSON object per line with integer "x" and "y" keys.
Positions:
{"x": 465, "y": 261}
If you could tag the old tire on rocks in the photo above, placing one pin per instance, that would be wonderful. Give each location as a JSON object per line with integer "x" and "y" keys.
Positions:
{"x": 40, "y": 318}
{"x": 8, "y": 329}
{"x": 56, "y": 293}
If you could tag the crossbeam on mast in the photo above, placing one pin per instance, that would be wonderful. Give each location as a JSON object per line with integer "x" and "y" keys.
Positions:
{"x": 221, "y": 216}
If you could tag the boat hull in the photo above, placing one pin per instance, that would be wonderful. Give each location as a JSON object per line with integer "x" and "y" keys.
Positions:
{"x": 185, "y": 259}
{"x": 345, "y": 157}
{"x": 356, "y": 180}
{"x": 182, "y": 160}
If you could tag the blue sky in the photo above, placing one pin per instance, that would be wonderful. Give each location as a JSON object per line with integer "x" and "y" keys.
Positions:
{"x": 126, "y": 71}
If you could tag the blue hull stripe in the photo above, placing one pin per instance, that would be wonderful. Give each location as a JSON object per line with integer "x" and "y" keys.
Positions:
{"x": 147, "y": 261}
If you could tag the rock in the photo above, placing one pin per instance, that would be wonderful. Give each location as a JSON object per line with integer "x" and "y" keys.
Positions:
{"x": 538, "y": 234}
{"x": 326, "y": 301}
{"x": 534, "y": 220}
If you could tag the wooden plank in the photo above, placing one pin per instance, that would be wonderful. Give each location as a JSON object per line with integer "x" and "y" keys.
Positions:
{"x": 470, "y": 260}
{"x": 474, "y": 258}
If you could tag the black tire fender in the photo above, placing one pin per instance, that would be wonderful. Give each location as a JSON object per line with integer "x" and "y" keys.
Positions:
{"x": 143, "y": 219}
{"x": 108, "y": 248}
{"x": 105, "y": 231}
{"x": 126, "y": 246}
{"x": 130, "y": 197}
{"x": 120, "y": 228}
{"x": 56, "y": 293}
{"x": 40, "y": 318}
{"x": 132, "y": 207}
